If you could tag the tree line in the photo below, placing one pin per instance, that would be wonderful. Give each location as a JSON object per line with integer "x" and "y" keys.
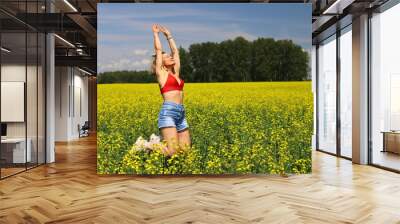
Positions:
{"x": 126, "y": 77}
{"x": 238, "y": 60}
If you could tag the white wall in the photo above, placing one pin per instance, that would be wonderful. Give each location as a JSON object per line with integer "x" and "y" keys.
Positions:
{"x": 81, "y": 81}
{"x": 14, "y": 72}
{"x": 62, "y": 81}
{"x": 17, "y": 72}
{"x": 71, "y": 87}
{"x": 33, "y": 126}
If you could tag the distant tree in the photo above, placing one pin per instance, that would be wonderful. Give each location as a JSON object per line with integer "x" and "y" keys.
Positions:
{"x": 263, "y": 59}
{"x": 186, "y": 71}
{"x": 241, "y": 59}
{"x": 126, "y": 77}
{"x": 202, "y": 56}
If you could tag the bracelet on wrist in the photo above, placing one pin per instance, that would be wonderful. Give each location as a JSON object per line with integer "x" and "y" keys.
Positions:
{"x": 170, "y": 37}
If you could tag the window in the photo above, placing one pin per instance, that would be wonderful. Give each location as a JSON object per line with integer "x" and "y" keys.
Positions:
{"x": 385, "y": 88}
{"x": 346, "y": 92}
{"x": 327, "y": 95}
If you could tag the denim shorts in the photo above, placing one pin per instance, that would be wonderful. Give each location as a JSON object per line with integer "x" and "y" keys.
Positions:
{"x": 172, "y": 115}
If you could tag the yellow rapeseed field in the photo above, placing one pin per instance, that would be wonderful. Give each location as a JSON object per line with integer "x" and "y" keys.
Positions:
{"x": 236, "y": 128}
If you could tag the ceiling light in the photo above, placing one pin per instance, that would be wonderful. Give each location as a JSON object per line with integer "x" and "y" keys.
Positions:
{"x": 79, "y": 51}
{"x": 331, "y": 7}
{"x": 64, "y": 40}
{"x": 337, "y": 7}
{"x": 86, "y": 72}
{"x": 70, "y": 5}
{"x": 5, "y": 49}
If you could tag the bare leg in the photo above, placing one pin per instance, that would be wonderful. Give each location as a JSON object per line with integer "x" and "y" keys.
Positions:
{"x": 184, "y": 138}
{"x": 171, "y": 136}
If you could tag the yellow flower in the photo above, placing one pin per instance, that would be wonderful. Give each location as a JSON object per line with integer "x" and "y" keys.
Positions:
{"x": 260, "y": 127}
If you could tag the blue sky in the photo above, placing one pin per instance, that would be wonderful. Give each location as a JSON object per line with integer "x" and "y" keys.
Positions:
{"x": 125, "y": 40}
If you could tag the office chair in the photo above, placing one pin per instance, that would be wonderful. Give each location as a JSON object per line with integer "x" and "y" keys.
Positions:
{"x": 84, "y": 130}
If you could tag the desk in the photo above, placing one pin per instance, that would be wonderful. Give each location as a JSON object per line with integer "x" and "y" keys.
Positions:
{"x": 391, "y": 141}
{"x": 17, "y": 150}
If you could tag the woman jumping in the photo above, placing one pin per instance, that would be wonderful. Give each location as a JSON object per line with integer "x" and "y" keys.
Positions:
{"x": 171, "y": 119}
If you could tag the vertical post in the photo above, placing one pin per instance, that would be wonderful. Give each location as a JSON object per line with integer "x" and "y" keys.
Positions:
{"x": 0, "y": 97}
{"x": 360, "y": 90}
{"x": 26, "y": 87}
{"x": 314, "y": 91}
{"x": 317, "y": 97}
{"x": 369, "y": 53}
{"x": 50, "y": 92}
{"x": 338, "y": 73}
{"x": 37, "y": 90}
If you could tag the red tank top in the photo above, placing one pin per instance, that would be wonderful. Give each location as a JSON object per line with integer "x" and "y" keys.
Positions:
{"x": 172, "y": 84}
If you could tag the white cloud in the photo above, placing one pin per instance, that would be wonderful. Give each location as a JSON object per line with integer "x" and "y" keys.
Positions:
{"x": 129, "y": 64}
{"x": 140, "y": 52}
{"x": 151, "y": 13}
{"x": 195, "y": 32}
{"x": 120, "y": 37}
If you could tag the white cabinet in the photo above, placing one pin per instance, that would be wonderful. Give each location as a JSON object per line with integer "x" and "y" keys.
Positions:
{"x": 18, "y": 149}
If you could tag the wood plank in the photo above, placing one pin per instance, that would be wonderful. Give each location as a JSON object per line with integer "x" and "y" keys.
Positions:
{"x": 70, "y": 191}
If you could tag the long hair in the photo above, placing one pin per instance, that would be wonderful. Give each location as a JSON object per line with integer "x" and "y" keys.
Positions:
{"x": 153, "y": 65}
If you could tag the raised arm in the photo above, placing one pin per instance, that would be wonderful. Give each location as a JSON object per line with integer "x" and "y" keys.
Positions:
{"x": 157, "y": 48}
{"x": 172, "y": 46}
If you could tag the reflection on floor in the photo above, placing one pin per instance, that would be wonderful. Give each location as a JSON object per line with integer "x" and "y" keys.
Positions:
{"x": 387, "y": 159}
{"x": 10, "y": 169}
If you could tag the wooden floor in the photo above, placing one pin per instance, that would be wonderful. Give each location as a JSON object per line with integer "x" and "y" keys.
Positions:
{"x": 70, "y": 191}
{"x": 387, "y": 159}
{"x": 10, "y": 171}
